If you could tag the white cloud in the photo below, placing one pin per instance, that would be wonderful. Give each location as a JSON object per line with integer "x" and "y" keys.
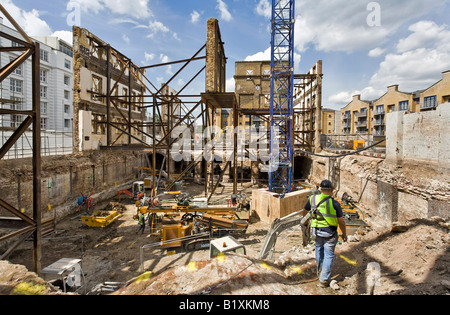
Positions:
{"x": 126, "y": 39}
{"x": 148, "y": 57}
{"x": 264, "y": 8}
{"x": 266, "y": 55}
{"x": 376, "y": 52}
{"x": 419, "y": 62}
{"x": 424, "y": 34}
{"x": 341, "y": 25}
{"x": 32, "y": 24}
{"x": 223, "y": 9}
{"x": 343, "y": 98}
{"x": 136, "y": 8}
{"x": 230, "y": 85}
{"x": 29, "y": 21}
{"x": 164, "y": 59}
{"x": 412, "y": 70}
{"x": 175, "y": 35}
{"x": 195, "y": 16}
{"x": 155, "y": 28}
{"x": 66, "y": 36}
{"x": 259, "y": 56}
{"x": 421, "y": 58}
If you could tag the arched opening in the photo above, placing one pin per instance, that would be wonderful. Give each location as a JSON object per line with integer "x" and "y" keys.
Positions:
{"x": 302, "y": 168}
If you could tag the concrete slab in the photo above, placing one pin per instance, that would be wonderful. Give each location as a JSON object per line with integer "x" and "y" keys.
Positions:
{"x": 267, "y": 206}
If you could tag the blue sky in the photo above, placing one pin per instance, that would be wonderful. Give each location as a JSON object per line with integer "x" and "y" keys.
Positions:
{"x": 365, "y": 45}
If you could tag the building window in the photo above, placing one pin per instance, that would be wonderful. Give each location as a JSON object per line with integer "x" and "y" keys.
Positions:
{"x": 43, "y": 76}
{"x": 66, "y": 49}
{"x": 15, "y": 44}
{"x": 402, "y": 106}
{"x": 66, "y": 80}
{"x": 430, "y": 102}
{"x": 44, "y": 123}
{"x": 44, "y": 55}
{"x": 97, "y": 87}
{"x": 44, "y": 106}
{"x": 67, "y": 64}
{"x": 18, "y": 70}
{"x": 16, "y": 120}
{"x": 16, "y": 86}
{"x": 66, "y": 109}
{"x": 43, "y": 91}
{"x": 380, "y": 109}
{"x": 66, "y": 123}
{"x": 66, "y": 95}
{"x": 98, "y": 124}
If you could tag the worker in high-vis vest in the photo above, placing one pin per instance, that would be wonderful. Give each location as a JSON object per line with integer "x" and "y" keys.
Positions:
{"x": 141, "y": 222}
{"x": 325, "y": 217}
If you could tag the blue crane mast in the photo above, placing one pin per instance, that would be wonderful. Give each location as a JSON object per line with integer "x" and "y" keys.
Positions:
{"x": 282, "y": 97}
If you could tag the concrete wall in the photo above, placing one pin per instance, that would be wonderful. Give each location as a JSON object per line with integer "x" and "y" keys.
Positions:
{"x": 420, "y": 137}
{"x": 64, "y": 178}
{"x": 389, "y": 193}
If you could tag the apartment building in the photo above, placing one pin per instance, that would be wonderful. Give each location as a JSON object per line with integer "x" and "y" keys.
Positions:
{"x": 438, "y": 93}
{"x": 56, "y": 76}
{"x": 328, "y": 122}
{"x": 369, "y": 117}
{"x": 355, "y": 116}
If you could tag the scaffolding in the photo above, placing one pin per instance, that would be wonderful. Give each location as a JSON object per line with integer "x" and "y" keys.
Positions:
{"x": 168, "y": 109}
{"x": 25, "y": 226}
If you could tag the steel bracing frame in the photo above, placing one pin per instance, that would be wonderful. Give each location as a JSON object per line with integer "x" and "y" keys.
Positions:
{"x": 26, "y": 226}
{"x": 174, "y": 110}
{"x": 281, "y": 97}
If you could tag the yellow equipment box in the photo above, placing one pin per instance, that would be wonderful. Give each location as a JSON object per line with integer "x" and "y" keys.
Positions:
{"x": 174, "y": 232}
{"x": 101, "y": 219}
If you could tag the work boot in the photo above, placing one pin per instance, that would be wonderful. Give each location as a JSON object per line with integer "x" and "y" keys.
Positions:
{"x": 323, "y": 284}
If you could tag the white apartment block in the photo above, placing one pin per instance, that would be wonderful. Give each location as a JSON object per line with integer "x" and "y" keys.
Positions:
{"x": 56, "y": 76}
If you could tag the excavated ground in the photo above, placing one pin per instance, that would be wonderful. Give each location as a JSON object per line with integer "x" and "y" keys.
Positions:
{"x": 420, "y": 250}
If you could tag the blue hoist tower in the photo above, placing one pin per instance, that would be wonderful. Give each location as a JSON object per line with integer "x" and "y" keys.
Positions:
{"x": 282, "y": 97}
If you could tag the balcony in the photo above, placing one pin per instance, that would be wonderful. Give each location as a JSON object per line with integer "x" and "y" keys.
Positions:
{"x": 361, "y": 124}
{"x": 427, "y": 106}
{"x": 378, "y": 123}
{"x": 361, "y": 114}
{"x": 379, "y": 112}
{"x": 346, "y": 116}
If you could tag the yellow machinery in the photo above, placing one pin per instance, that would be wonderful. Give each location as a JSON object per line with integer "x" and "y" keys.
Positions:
{"x": 355, "y": 144}
{"x": 176, "y": 222}
{"x": 354, "y": 219}
{"x": 101, "y": 219}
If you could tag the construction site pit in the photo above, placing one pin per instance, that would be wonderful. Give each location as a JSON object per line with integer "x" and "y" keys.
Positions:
{"x": 411, "y": 259}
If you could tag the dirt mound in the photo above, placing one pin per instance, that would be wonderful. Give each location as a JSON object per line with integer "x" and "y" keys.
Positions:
{"x": 231, "y": 274}
{"x": 415, "y": 261}
{"x": 17, "y": 280}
